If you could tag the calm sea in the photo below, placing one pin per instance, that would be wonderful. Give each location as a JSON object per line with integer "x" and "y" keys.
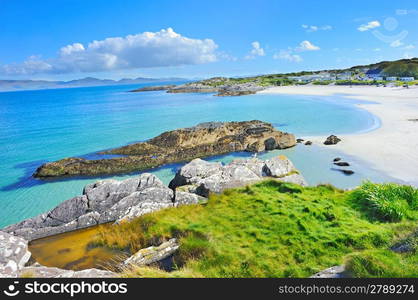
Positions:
{"x": 46, "y": 125}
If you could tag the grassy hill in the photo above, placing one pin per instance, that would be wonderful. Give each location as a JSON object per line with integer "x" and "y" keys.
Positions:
{"x": 273, "y": 229}
{"x": 399, "y": 68}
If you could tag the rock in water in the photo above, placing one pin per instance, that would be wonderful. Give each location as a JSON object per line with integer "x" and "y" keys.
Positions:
{"x": 299, "y": 140}
{"x": 337, "y": 159}
{"x": 118, "y": 201}
{"x": 101, "y": 202}
{"x": 206, "y": 139}
{"x": 345, "y": 172}
{"x": 332, "y": 140}
{"x": 308, "y": 143}
{"x": 154, "y": 88}
{"x": 342, "y": 164}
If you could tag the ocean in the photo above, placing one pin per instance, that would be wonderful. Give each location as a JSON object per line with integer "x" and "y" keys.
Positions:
{"x": 46, "y": 125}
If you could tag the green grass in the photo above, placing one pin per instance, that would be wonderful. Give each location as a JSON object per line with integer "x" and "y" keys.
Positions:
{"x": 269, "y": 229}
{"x": 382, "y": 263}
{"x": 388, "y": 202}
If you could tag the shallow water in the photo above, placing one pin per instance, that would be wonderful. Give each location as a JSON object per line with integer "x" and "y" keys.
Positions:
{"x": 73, "y": 251}
{"x": 41, "y": 126}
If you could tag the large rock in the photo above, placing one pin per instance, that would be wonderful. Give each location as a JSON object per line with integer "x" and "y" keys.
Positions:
{"x": 101, "y": 202}
{"x": 146, "y": 201}
{"x": 185, "y": 198}
{"x": 195, "y": 171}
{"x": 39, "y": 271}
{"x": 14, "y": 254}
{"x": 202, "y": 140}
{"x": 214, "y": 177}
{"x": 278, "y": 167}
{"x": 153, "y": 254}
{"x": 332, "y": 140}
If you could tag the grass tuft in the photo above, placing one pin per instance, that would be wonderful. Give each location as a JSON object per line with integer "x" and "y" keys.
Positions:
{"x": 387, "y": 202}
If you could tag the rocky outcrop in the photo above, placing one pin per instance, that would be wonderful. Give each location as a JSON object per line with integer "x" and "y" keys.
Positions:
{"x": 119, "y": 201}
{"x": 101, "y": 202}
{"x": 239, "y": 89}
{"x": 154, "y": 88}
{"x": 221, "y": 86}
{"x": 201, "y": 177}
{"x": 152, "y": 254}
{"x": 332, "y": 140}
{"x": 179, "y": 145}
{"x": 14, "y": 254}
{"x": 194, "y": 87}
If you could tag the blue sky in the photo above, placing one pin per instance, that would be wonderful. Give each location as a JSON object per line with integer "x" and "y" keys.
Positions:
{"x": 55, "y": 39}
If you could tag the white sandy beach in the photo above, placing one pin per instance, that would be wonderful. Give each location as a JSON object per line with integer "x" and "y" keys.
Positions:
{"x": 393, "y": 147}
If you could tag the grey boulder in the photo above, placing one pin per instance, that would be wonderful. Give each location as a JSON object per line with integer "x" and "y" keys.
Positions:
{"x": 14, "y": 254}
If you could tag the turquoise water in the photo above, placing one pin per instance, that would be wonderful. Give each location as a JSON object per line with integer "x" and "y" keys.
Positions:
{"x": 46, "y": 125}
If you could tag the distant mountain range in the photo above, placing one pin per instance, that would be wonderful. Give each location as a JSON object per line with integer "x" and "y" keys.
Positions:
{"x": 17, "y": 85}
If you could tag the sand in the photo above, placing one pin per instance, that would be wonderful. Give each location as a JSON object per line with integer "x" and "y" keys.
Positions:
{"x": 393, "y": 147}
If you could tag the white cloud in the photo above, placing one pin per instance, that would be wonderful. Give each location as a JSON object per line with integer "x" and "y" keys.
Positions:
{"x": 287, "y": 55}
{"x": 256, "y": 50}
{"x": 290, "y": 55}
{"x": 368, "y": 26}
{"x": 143, "y": 50}
{"x": 409, "y": 47}
{"x": 377, "y": 49}
{"x": 404, "y": 12}
{"x": 307, "y": 46}
{"x": 396, "y": 44}
{"x": 314, "y": 28}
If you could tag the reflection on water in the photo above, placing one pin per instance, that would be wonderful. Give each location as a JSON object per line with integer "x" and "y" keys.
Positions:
{"x": 74, "y": 251}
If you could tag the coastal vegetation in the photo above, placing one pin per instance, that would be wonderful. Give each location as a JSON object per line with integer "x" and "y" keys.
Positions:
{"x": 276, "y": 229}
{"x": 398, "y": 73}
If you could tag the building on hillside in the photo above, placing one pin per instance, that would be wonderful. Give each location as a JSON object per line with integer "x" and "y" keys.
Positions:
{"x": 391, "y": 78}
{"x": 344, "y": 76}
{"x": 407, "y": 79}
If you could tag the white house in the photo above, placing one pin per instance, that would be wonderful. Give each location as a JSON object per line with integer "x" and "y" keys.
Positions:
{"x": 391, "y": 78}
{"x": 407, "y": 79}
{"x": 377, "y": 78}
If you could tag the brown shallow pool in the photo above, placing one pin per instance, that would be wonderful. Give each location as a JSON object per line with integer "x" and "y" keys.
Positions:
{"x": 74, "y": 251}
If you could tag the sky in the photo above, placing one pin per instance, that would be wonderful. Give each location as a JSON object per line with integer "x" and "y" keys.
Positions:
{"x": 70, "y": 39}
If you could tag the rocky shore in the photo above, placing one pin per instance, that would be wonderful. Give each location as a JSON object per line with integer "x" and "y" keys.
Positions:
{"x": 219, "y": 85}
{"x": 118, "y": 201}
{"x": 154, "y": 88}
{"x": 202, "y": 140}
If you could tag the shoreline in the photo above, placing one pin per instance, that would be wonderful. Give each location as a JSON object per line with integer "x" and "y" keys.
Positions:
{"x": 392, "y": 147}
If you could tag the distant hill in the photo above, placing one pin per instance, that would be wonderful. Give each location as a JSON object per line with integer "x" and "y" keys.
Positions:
{"x": 398, "y": 68}
{"x": 16, "y": 85}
